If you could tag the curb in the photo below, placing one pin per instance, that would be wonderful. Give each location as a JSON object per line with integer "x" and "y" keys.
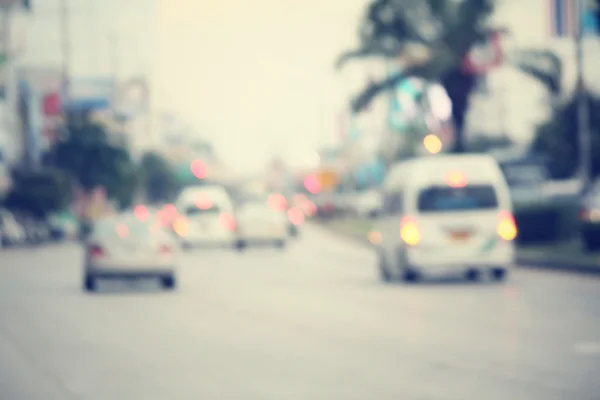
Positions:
{"x": 522, "y": 262}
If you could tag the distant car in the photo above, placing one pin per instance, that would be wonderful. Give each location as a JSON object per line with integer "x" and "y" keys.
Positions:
{"x": 260, "y": 224}
{"x": 589, "y": 218}
{"x": 125, "y": 247}
{"x": 445, "y": 215}
{"x": 11, "y": 232}
{"x": 205, "y": 217}
{"x": 368, "y": 204}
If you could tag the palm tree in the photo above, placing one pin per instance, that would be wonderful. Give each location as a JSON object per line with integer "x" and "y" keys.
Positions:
{"x": 443, "y": 32}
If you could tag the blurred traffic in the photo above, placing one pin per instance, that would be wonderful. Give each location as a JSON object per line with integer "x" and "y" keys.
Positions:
{"x": 349, "y": 199}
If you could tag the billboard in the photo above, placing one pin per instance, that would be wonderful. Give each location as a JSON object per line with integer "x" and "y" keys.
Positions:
{"x": 90, "y": 93}
{"x": 41, "y": 89}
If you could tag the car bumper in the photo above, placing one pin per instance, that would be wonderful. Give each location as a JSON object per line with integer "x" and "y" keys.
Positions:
{"x": 210, "y": 239}
{"x": 120, "y": 268}
{"x": 448, "y": 263}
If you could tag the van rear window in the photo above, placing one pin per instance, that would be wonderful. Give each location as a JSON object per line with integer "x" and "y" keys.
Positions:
{"x": 468, "y": 198}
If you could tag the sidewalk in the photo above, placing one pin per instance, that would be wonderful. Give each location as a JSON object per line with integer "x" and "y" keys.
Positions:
{"x": 567, "y": 257}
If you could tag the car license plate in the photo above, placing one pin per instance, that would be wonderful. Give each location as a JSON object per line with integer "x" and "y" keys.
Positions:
{"x": 460, "y": 236}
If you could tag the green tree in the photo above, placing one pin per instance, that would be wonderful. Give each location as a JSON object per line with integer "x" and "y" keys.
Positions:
{"x": 444, "y": 31}
{"x": 157, "y": 178}
{"x": 90, "y": 157}
{"x": 39, "y": 193}
{"x": 558, "y": 139}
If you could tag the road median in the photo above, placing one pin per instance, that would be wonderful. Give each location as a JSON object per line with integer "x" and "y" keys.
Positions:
{"x": 564, "y": 256}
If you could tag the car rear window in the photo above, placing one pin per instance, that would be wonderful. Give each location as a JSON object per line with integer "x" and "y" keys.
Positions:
{"x": 195, "y": 211}
{"x": 468, "y": 198}
{"x": 125, "y": 227}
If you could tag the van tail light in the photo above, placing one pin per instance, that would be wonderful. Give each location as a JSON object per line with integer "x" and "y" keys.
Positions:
{"x": 95, "y": 251}
{"x": 228, "y": 222}
{"x": 164, "y": 249}
{"x": 507, "y": 227}
{"x": 409, "y": 231}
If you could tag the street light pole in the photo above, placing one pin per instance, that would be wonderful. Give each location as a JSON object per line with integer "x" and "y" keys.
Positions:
{"x": 66, "y": 53}
{"x": 585, "y": 150}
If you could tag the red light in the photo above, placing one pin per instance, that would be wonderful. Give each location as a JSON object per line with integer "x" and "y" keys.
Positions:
{"x": 312, "y": 184}
{"x": 95, "y": 251}
{"x": 170, "y": 210}
{"x": 295, "y": 215}
{"x": 456, "y": 179}
{"x": 198, "y": 169}
{"x": 228, "y": 222}
{"x": 141, "y": 213}
{"x": 203, "y": 202}
{"x": 165, "y": 249}
{"x": 122, "y": 230}
{"x": 278, "y": 202}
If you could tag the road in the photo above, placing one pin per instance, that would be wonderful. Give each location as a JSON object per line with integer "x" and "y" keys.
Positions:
{"x": 311, "y": 322}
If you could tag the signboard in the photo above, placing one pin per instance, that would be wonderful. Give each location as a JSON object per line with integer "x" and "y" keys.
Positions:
{"x": 90, "y": 93}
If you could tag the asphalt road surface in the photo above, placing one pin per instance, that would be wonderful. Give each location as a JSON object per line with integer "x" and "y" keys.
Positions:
{"x": 308, "y": 323}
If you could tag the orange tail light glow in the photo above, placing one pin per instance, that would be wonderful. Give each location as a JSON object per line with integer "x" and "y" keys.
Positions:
{"x": 409, "y": 231}
{"x": 507, "y": 227}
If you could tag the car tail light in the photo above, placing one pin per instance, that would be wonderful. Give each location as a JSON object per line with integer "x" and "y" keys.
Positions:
{"x": 164, "y": 249}
{"x": 507, "y": 227}
{"x": 295, "y": 215}
{"x": 228, "y": 222}
{"x": 95, "y": 251}
{"x": 409, "y": 231}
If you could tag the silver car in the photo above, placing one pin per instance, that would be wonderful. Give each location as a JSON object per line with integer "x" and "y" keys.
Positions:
{"x": 129, "y": 247}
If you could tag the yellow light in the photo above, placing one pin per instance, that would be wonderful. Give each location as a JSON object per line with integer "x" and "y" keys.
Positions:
{"x": 507, "y": 228}
{"x": 432, "y": 144}
{"x": 180, "y": 226}
{"x": 409, "y": 232}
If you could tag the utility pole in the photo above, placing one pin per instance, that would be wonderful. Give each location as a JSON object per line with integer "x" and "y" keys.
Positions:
{"x": 585, "y": 150}
{"x": 66, "y": 54}
{"x": 6, "y": 48}
{"x": 11, "y": 88}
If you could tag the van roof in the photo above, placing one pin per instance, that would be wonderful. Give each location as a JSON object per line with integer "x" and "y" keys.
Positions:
{"x": 426, "y": 170}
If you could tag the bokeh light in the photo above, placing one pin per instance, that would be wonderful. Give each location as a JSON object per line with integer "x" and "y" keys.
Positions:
{"x": 295, "y": 215}
{"x": 278, "y": 202}
{"x": 432, "y": 144}
{"x": 141, "y": 213}
{"x": 312, "y": 184}
{"x": 198, "y": 169}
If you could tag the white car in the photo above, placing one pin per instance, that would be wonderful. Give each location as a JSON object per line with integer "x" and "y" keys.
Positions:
{"x": 206, "y": 217}
{"x": 368, "y": 204}
{"x": 126, "y": 247}
{"x": 445, "y": 215}
{"x": 258, "y": 223}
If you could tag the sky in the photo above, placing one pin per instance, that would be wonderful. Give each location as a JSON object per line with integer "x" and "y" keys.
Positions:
{"x": 254, "y": 77}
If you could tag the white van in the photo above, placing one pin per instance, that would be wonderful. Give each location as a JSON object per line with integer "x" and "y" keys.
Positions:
{"x": 206, "y": 216}
{"x": 445, "y": 215}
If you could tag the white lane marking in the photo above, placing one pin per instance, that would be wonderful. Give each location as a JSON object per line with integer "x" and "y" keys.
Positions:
{"x": 588, "y": 348}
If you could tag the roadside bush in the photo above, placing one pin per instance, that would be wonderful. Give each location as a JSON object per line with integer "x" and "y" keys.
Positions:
{"x": 39, "y": 193}
{"x": 157, "y": 178}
